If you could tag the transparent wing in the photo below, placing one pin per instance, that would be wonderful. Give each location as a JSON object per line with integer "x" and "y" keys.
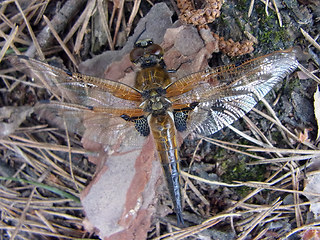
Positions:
{"x": 95, "y": 103}
{"x": 99, "y": 124}
{"x": 225, "y": 94}
{"x": 75, "y": 87}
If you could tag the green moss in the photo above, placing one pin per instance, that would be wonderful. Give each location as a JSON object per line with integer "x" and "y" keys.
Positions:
{"x": 273, "y": 36}
{"x": 292, "y": 84}
{"x": 276, "y": 136}
{"x": 270, "y": 34}
{"x": 242, "y": 5}
{"x": 241, "y": 26}
{"x": 240, "y": 171}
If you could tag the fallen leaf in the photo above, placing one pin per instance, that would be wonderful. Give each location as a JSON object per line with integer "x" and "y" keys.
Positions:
{"x": 304, "y": 136}
{"x": 312, "y": 185}
{"x": 12, "y": 117}
{"x": 311, "y": 234}
{"x": 317, "y": 109}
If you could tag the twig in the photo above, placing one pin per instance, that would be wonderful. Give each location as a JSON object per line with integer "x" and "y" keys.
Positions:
{"x": 64, "y": 47}
{"x": 209, "y": 181}
{"x": 310, "y": 39}
{"x": 259, "y": 218}
{"x": 308, "y": 73}
{"x": 45, "y": 146}
{"x": 104, "y": 23}
{"x": 60, "y": 20}
{"x": 34, "y": 39}
{"x": 119, "y": 18}
{"x": 8, "y": 42}
{"x": 133, "y": 15}
{"x": 250, "y": 8}
{"x": 88, "y": 13}
{"x": 277, "y": 12}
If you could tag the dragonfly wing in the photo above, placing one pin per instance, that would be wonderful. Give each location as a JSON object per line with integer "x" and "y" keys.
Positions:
{"x": 93, "y": 102}
{"x": 99, "y": 124}
{"x": 225, "y": 94}
{"x": 75, "y": 87}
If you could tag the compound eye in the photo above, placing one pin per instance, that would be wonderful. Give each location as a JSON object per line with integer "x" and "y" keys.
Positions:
{"x": 136, "y": 54}
{"x": 155, "y": 49}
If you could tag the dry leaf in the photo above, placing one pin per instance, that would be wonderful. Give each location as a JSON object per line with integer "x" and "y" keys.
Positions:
{"x": 313, "y": 186}
{"x": 304, "y": 136}
{"x": 311, "y": 234}
{"x": 12, "y": 117}
{"x": 317, "y": 109}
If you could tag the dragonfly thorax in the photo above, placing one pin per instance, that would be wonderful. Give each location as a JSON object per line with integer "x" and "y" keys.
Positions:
{"x": 155, "y": 101}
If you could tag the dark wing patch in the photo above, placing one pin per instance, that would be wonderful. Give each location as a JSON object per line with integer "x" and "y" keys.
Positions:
{"x": 141, "y": 124}
{"x": 181, "y": 114}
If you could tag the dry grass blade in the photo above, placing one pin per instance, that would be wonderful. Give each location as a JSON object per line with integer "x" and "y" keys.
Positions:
{"x": 6, "y": 20}
{"x": 133, "y": 15}
{"x": 250, "y": 8}
{"x": 310, "y": 39}
{"x": 192, "y": 231}
{"x": 283, "y": 159}
{"x": 224, "y": 144}
{"x": 75, "y": 27}
{"x": 38, "y": 232}
{"x": 16, "y": 39}
{"x": 257, "y": 220}
{"x": 266, "y": 7}
{"x": 208, "y": 181}
{"x": 295, "y": 185}
{"x": 300, "y": 229}
{"x": 45, "y": 221}
{"x": 267, "y": 186}
{"x": 34, "y": 39}
{"x": 119, "y": 19}
{"x": 286, "y": 151}
{"x": 52, "y": 147}
{"x": 308, "y": 73}
{"x": 41, "y": 11}
{"x": 256, "y": 131}
{"x": 69, "y": 156}
{"x": 277, "y": 12}
{"x": 64, "y": 47}
{"x": 8, "y": 42}
{"x": 23, "y": 215}
{"x": 246, "y": 136}
{"x": 104, "y": 22}
{"x": 88, "y": 13}
{"x": 195, "y": 190}
{"x": 278, "y": 123}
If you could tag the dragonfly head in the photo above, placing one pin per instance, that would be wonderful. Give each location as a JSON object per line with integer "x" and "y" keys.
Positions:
{"x": 146, "y": 53}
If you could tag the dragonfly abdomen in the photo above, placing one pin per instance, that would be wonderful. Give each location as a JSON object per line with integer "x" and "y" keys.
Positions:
{"x": 164, "y": 134}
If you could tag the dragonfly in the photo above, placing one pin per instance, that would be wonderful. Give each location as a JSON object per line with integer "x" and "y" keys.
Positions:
{"x": 157, "y": 106}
